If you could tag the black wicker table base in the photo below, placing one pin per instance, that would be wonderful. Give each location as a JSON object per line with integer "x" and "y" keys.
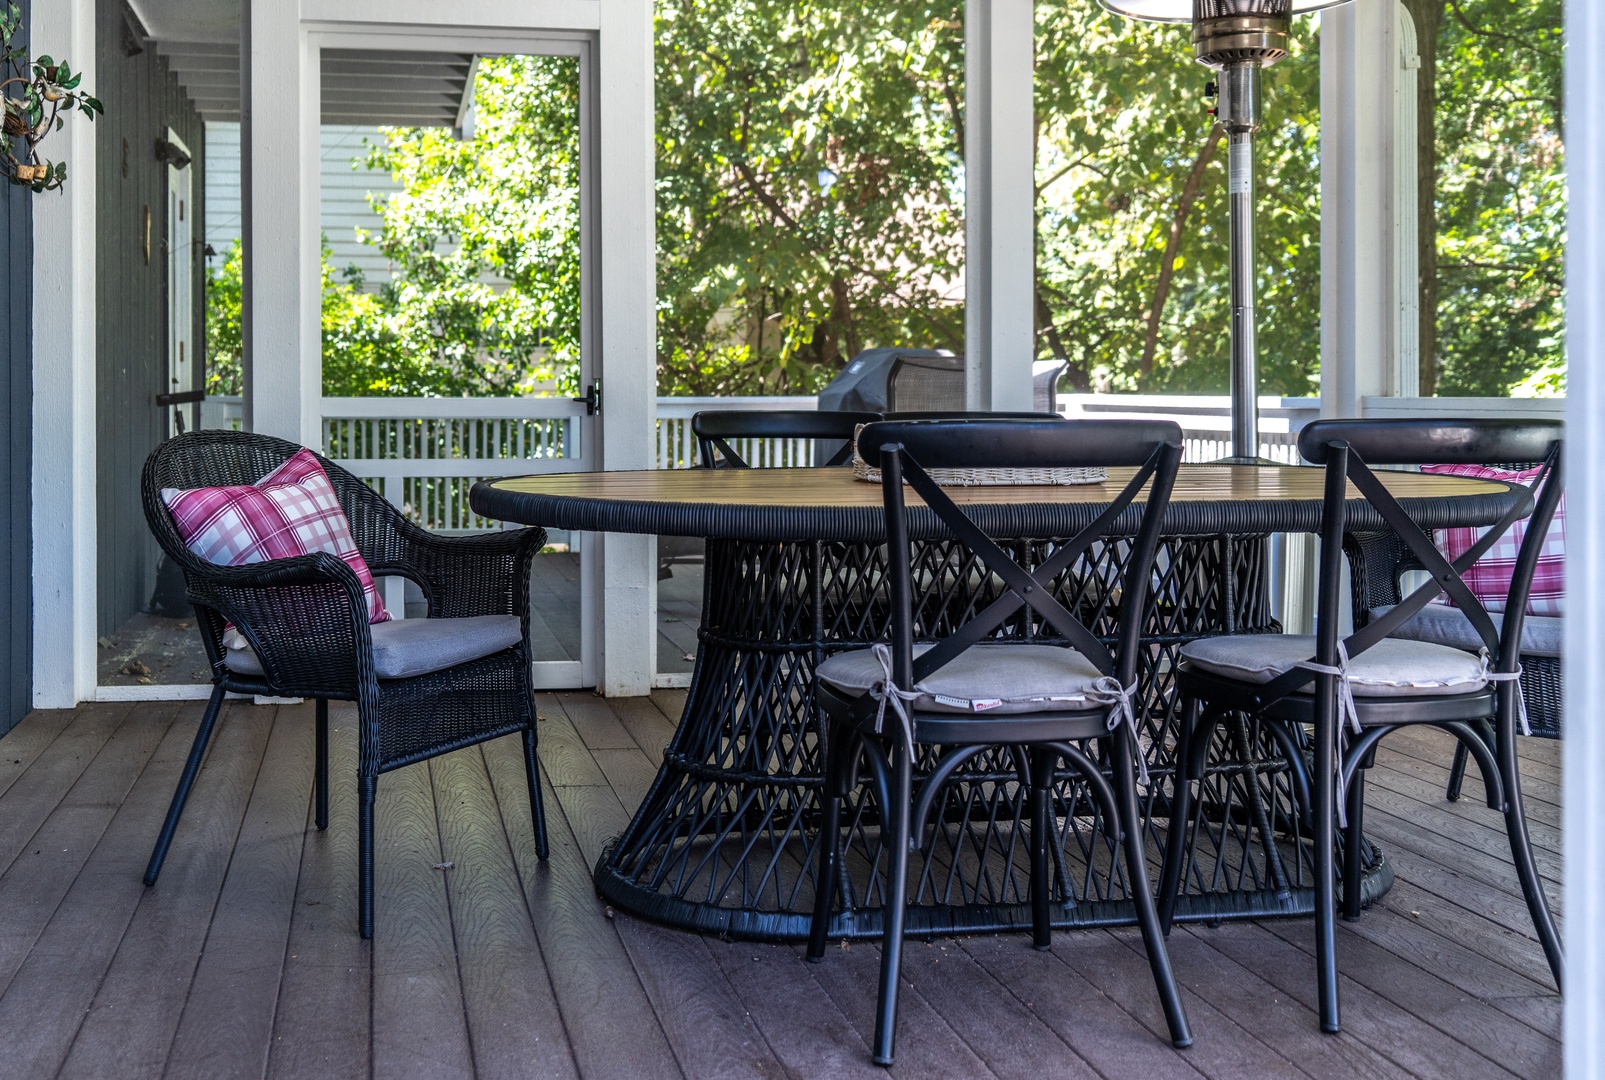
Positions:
{"x": 726, "y": 840}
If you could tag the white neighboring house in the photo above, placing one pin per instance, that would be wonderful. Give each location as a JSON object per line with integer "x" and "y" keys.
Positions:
{"x": 344, "y": 207}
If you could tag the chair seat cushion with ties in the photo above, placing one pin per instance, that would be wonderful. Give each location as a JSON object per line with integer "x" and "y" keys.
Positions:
{"x": 405, "y": 648}
{"x": 1390, "y": 668}
{"x": 991, "y": 677}
{"x": 291, "y": 511}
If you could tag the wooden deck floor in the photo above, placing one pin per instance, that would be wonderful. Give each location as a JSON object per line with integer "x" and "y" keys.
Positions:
{"x": 244, "y": 960}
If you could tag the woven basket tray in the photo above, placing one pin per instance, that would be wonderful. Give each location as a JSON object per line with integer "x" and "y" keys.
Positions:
{"x": 863, "y": 470}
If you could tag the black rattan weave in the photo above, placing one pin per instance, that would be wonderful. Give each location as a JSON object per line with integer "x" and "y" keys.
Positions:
{"x": 307, "y": 620}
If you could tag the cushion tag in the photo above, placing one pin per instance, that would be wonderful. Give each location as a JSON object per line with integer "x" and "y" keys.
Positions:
{"x": 983, "y": 704}
{"x": 951, "y": 702}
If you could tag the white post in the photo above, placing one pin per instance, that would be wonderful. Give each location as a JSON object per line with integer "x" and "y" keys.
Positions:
{"x": 282, "y": 239}
{"x": 1583, "y": 753}
{"x": 628, "y": 346}
{"x": 64, "y": 547}
{"x": 1366, "y": 222}
{"x": 999, "y": 204}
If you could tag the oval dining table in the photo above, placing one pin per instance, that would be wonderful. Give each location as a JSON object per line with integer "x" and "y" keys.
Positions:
{"x": 725, "y": 840}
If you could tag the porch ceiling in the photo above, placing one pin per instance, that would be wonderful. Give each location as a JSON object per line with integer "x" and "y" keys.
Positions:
{"x": 200, "y": 39}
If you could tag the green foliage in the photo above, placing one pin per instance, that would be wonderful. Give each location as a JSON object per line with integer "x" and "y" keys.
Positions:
{"x": 483, "y": 242}
{"x": 1121, "y": 121}
{"x": 49, "y": 87}
{"x": 810, "y": 204}
{"x": 1501, "y": 198}
{"x": 369, "y": 349}
{"x": 809, "y": 188}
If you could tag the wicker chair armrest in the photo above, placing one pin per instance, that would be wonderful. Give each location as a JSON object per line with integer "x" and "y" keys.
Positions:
{"x": 483, "y": 574}
{"x": 306, "y": 618}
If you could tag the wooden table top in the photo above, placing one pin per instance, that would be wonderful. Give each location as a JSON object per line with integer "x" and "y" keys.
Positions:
{"x": 831, "y": 503}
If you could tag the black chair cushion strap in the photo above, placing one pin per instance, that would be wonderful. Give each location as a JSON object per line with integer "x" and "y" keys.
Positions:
{"x": 1028, "y": 588}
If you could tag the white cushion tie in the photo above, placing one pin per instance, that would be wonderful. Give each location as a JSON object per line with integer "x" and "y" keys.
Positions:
{"x": 1108, "y": 691}
{"x": 1510, "y": 677}
{"x": 1348, "y": 718}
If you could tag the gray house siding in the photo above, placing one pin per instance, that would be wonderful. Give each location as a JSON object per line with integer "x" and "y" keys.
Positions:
{"x": 143, "y": 99}
{"x": 16, "y": 453}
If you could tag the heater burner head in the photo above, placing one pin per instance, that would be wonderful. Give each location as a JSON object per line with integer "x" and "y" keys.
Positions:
{"x": 1227, "y": 31}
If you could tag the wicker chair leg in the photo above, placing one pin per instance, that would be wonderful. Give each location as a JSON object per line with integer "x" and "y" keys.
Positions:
{"x": 320, "y": 779}
{"x": 537, "y": 806}
{"x": 186, "y": 781}
{"x": 367, "y": 787}
{"x": 1457, "y": 773}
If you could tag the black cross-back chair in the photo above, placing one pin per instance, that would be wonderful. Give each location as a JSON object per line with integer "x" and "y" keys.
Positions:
{"x": 1390, "y": 682}
{"x": 307, "y": 624}
{"x": 715, "y": 427}
{"x": 884, "y": 702}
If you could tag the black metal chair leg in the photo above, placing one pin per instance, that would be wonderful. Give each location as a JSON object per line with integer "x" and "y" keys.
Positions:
{"x": 829, "y": 851}
{"x": 1132, "y": 840}
{"x": 1177, "y": 834}
{"x": 1457, "y": 773}
{"x": 1324, "y": 830}
{"x": 1041, "y": 836}
{"x": 367, "y": 787}
{"x": 320, "y": 777}
{"x": 896, "y": 906}
{"x": 537, "y": 805}
{"x": 1353, "y": 842}
{"x": 1521, "y": 853}
{"x": 186, "y": 780}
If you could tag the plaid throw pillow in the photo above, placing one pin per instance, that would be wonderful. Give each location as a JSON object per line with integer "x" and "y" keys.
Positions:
{"x": 290, "y": 511}
{"x": 1489, "y": 578}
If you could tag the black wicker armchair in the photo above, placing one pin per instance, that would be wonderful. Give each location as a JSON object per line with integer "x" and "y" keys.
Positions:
{"x": 422, "y": 686}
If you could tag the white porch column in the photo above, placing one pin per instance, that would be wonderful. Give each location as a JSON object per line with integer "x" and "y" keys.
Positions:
{"x": 628, "y": 286}
{"x": 1583, "y": 752}
{"x": 999, "y": 204}
{"x": 1369, "y": 291}
{"x": 282, "y": 239}
{"x": 64, "y": 387}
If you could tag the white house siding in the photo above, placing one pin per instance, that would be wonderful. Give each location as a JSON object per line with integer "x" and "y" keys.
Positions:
{"x": 346, "y": 187}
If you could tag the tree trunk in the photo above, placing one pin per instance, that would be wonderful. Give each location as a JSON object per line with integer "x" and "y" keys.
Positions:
{"x": 1428, "y": 16}
{"x": 1178, "y": 224}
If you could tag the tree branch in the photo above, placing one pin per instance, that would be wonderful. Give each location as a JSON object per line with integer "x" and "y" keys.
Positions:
{"x": 1167, "y": 263}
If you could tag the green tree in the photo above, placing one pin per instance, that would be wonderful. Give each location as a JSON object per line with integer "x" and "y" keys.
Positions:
{"x": 1501, "y": 199}
{"x": 809, "y": 188}
{"x": 483, "y": 240}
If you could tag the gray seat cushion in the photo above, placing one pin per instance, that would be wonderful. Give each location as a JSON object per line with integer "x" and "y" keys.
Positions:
{"x": 990, "y": 677}
{"x": 403, "y": 648}
{"x": 1391, "y": 668}
{"x": 1444, "y": 625}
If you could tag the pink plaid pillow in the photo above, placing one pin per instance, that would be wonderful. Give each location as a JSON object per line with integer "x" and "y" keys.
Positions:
{"x": 1489, "y": 578}
{"x": 290, "y": 511}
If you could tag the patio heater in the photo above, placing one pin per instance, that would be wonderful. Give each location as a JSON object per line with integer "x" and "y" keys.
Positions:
{"x": 1236, "y": 38}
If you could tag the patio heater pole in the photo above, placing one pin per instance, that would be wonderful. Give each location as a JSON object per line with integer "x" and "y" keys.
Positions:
{"x": 1236, "y": 38}
{"x": 1240, "y": 105}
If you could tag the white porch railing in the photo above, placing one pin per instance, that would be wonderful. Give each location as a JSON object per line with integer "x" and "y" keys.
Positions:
{"x": 426, "y": 453}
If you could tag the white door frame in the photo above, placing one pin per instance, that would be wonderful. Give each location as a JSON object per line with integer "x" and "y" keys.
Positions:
{"x": 181, "y": 286}
{"x": 280, "y": 176}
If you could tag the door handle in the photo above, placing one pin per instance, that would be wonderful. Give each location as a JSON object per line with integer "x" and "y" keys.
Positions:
{"x": 592, "y": 399}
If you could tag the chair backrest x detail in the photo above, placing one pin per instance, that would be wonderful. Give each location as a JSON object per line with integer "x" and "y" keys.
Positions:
{"x": 907, "y": 449}
{"x": 715, "y": 427}
{"x": 1349, "y": 448}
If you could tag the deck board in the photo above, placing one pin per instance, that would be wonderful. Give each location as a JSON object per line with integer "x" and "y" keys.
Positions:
{"x": 245, "y": 959}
